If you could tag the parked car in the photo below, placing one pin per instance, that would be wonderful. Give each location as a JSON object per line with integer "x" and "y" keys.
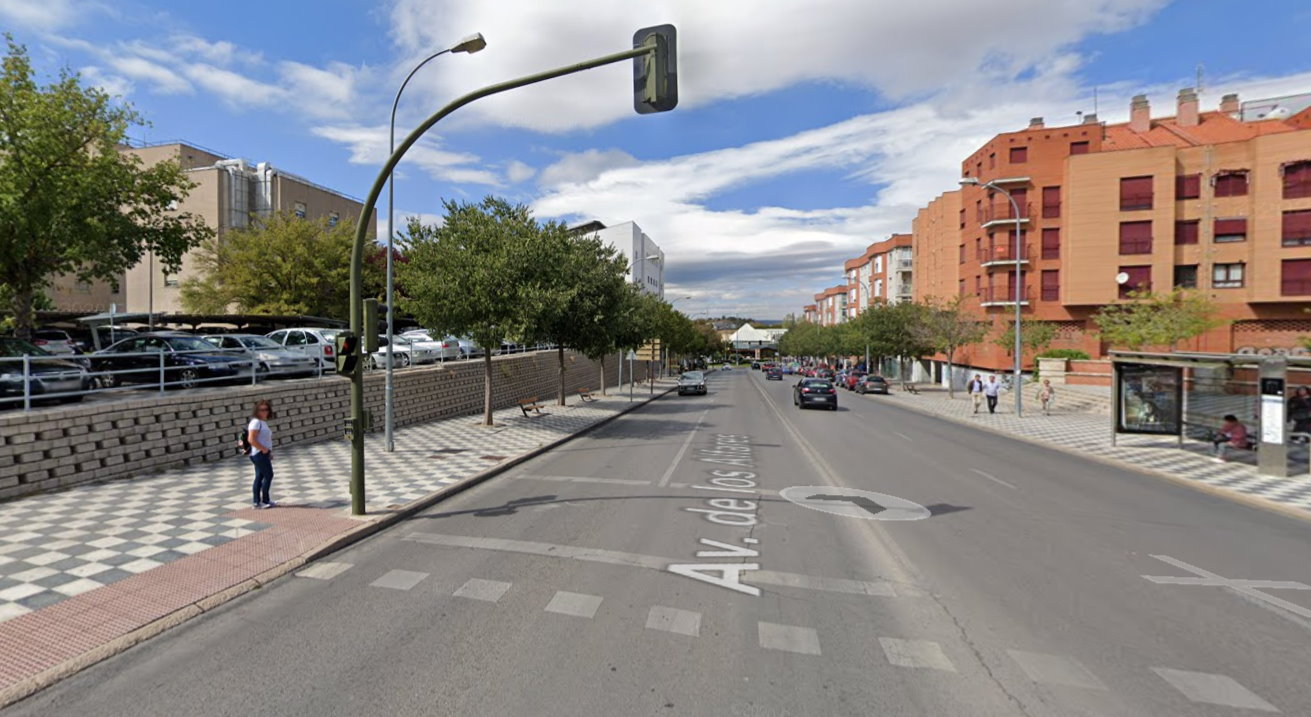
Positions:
{"x": 273, "y": 359}
{"x": 313, "y": 342}
{"x": 774, "y": 374}
{"x": 401, "y": 353}
{"x": 46, "y": 374}
{"x": 448, "y": 347}
{"x": 420, "y": 351}
{"x": 755, "y": 365}
{"x": 872, "y": 384}
{"x": 692, "y": 382}
{"x": 93, "y": 338}
{"x": 55, "y": 341}
{"x": 815, "y": 392}
{"x": 187, "y": 361}
{"x": 851, "y": 378}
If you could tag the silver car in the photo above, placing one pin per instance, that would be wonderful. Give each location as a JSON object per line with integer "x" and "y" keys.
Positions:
{"x": 273, "y": 358}
{"x": 426, "y": 348}
{"x": 316, "y": 343}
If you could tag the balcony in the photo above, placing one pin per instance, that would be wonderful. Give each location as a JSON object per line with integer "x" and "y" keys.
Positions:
{"x": 1002, "y": 296}
{"x": 903, "y": 291}
{"x": 1004, "y": 213}
{"x": 1002, "y": 254}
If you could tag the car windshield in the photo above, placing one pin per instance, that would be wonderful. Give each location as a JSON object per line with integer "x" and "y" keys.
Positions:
{"x": 816, "y": 384}
{"x": 15, "y": 348}
{"x": 188, "y": 343}
{"x": 693, "y": 376}
{"x": 329, "y": 335}
{"x": 259, "y": 342}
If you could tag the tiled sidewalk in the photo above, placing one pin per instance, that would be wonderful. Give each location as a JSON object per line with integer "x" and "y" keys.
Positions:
{"x": 1090, "y": 433}
{"x": 102, "y": 560}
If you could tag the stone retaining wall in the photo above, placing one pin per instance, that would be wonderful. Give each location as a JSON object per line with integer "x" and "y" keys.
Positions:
{"x": 55, "y": 448}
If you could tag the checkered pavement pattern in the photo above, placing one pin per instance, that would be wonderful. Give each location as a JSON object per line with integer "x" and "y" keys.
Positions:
{"x": 1091, "y": 434}
{"x": 58, "y": 545}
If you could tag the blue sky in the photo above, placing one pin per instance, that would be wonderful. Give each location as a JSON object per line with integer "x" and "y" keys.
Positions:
{"x": 803, "y": 135}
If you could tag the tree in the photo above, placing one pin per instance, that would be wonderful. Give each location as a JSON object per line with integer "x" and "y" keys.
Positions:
{"x": 947, "y": 326}
{"x": 1157, "y": 319}
{"x": 71, "y": 203}
{"x": 467, "y": 276}
{"x": 1034, "y": 335}
{"x": 281, "y": 266}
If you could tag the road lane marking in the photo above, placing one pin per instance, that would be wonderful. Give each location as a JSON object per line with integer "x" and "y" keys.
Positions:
{"x": 901, "y": 435}
{"x": 1249, "y": 588}
{"x": 854, "y": 503}
{"x": 1213, "y": 689}
{"x": 1055, "y": 670}
{"x": 916, "y": 653}
{"x": 324, "y": 571}
{"x": 479, "y": 589}
{"x": 672, "y": 619}
{"x": 788, "y": 638}
{"x": 673, "y": 465}
{"x": 584, "y": 479}
{"x": 575, "y": 604}
{"x": 399, "y": 579}
{"x": 993, "y": 478}
{"x": 652, "y": 562}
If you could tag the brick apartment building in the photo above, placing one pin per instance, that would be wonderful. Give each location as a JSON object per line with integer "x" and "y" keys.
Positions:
{"x": 230, "y": 194}
{"x": 881, "y": 274}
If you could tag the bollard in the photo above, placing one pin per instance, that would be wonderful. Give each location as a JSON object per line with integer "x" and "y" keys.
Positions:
{"x": 27, "y": 382}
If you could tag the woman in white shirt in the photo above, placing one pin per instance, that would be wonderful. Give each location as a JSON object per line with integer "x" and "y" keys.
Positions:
{"x": 261, "y": 452}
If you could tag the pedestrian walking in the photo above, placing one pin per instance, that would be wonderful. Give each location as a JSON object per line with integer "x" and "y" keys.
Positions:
{"x": 991, "y": 390}
{"x": 1299, "y": 412}
{"x": 1046, "y": 396}
{"x": 975, "y": 388}
{"x": 260, "y": 437}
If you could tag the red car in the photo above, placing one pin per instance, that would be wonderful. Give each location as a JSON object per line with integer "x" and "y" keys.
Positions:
{"x": 851, "y": 378}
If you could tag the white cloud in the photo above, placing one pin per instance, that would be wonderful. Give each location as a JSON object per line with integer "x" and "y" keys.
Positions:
{"x": 368, "y": 145}
{"x": 115, "y": 85}
{"x": 403, "y": 220}
{"x": 321, "y": 92}
{"x": 219, "y": 53}
{"x": 517, "y": 171}
{"x": 42, "y": 14}
{"x": 234, "y": 89}
{"x": 161, "y": 79}
{"x": 732, "y": 48}
{"x": 584, "y": 166}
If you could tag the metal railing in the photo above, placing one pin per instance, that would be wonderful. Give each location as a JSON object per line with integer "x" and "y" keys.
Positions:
{"x": 1004, "y": 211}
{"x": 1002, "y": 295}
{"x": 1002, "y": 253}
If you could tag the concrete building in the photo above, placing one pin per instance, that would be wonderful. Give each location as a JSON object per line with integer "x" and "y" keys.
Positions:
{"x": 810, "y": 313}
{"x": 230, "y": 194}
{"x": 881, "y": 274}
{"x": 831, "y": 305}
{"x": 646, "y": 260}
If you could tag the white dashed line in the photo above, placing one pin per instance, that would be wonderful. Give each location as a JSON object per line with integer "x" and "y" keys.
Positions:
{"x": 399, "y": 580}
{"x": 1213, "y": 689}
{"x": 789, "y": 638}
{"x": 916, "y": 653}
{"x": 575, "y": 604}
{"x": 486, "y": 590}
{"x": 993, "y": 478}
{"x": 1055, "y": 670}
{"x": 673, "y": 465}
{"x": 901, "y": 435}
{"x": 585, "y": 479}
{"x": 672, "y": 619}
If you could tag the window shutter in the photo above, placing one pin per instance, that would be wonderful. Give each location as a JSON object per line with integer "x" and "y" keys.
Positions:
{"x": 1186, "y": 231}
{"x": 1019, "y": 155}
{"x": 1295, "y": 279}
{"x": 1188, "y": 186}
{"x": 1051, "y": 243}
{"x": 1078, "y": 148}
{"x": 1135, "y": 193}
{"x": 1297, "y": 180}
{"x": 1051, "y": 202}
{"x": 1231, "y": 183}
{"x": 1135, "y": 237}
{"x": 1297, "y": 228}
{"x": 1051, "y": 285}
{"x": 1140, "y": 278}
{"x": 1231, "y": 229}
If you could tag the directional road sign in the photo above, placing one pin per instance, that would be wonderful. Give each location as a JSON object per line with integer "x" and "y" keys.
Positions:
{"x": 854, "y": 503}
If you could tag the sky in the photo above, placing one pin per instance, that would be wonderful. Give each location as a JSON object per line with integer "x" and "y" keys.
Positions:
{"x": 805, "y": 131}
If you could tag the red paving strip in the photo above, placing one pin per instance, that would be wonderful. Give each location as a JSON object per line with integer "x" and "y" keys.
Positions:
{"x": 38, "y": 641}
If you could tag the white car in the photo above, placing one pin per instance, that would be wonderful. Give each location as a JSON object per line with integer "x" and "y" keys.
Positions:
{"x": 449, "y": 346}
{"x": 402, "y": 352}
{"x": 420, "y": 351}
{"x": 313, "y": 342}
{"x": 274, "y": 359}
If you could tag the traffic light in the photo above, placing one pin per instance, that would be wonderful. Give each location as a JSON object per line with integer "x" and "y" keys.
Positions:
{"x": 348, "y": 353}
{"x": 370, "y": 326}
{"x": 655, "y": 74}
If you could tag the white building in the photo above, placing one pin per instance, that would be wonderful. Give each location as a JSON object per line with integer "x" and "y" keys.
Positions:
{"x": 646, "y": 260}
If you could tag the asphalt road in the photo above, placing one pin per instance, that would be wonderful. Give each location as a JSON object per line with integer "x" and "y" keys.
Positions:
{"x": 600, "y": 579}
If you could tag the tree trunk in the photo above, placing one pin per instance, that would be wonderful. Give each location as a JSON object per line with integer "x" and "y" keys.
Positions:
{"x": 602, "y": 362}
{"x": 951, "y": 384}
{"x": 560, "y": 350}
{"x": 23, "y": 318}
{"x": 487, "y": 388}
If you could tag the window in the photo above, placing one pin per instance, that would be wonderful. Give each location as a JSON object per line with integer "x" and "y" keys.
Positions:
{"x": 1231, "y": 230}
{"x": 1021, "y": 197}
{"x": 82, "y": 287}
{"x": 1186, "y": 231}
{"x": 333, "y": 219}
{"x": 1295, "y": 278}
{"x": 978, "y": 210}
{"x": 1135, "y": 193}
{"x": 878, "y": 264}
{"x": 1135, "y": 237}
{"x": 1231, "y": 184}
{"x": 1185, "y": 276}
{"x": 1297, "y": 180}
{"x": 170, "y": 280}
{"x": 960, "y": 287}
{"x": 1051, "y": 202}
{"x": 1227, "y": 276}
{"x": 992, "y": 160}
{"x": 299, "y": 210}
{"x": 1019, "y": 155}
{"x": 1297, "y": 228}
{"x": 1188, "y": 186}
{"x": 1051, "y": 243}
{"x": 295, "y": 338}
{"x": 1051, "y": 285}
{"x": 962, "y": 219}
{"x": 962, "y": 253}
{"x": 1140, "y": 279}
{"x": 1079, "y": 147}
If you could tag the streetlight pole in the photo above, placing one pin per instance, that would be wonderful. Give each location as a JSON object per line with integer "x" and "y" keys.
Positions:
{"x": 1019, "y": 286}
{"x": 470, "y": 44}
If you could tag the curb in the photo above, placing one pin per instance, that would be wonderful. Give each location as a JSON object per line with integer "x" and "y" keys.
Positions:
{"x": 1250, "y": 501}
{"x": 68, "y": 668}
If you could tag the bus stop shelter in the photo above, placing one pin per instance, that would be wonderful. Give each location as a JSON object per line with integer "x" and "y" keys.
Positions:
{"x": 1186, "y": 395}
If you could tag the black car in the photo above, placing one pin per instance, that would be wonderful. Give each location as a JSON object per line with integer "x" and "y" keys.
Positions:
{"x": 872, "y": 384}
{"x": 815, "y": 392}
{"x": 755, "y": 365}
{"x": 774, "y": 374}
{"x": 692, "y": 382}
{"x": 45, "y": 373}
{"x": 187, "y": 361}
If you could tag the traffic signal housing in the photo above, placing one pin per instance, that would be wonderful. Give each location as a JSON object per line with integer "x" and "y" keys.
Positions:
{"x": 370, "y": 326}
{"x": 655, "y": 74}
{"x": 348, "y": 352}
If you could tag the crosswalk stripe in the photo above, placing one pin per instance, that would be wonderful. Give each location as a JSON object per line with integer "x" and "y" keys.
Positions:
{"x": 324, "y": 571}
{"x": 788, "y": 638}
{"x": 1213, "y": 689}
{"x": 1055, "y": 670}
{"x": 479, "y": 589}
{"x": 672, "y": 619}
{"x": 399, "y": 579}
{"x": 575, "y": 604}
{"x": 916, "y": 653}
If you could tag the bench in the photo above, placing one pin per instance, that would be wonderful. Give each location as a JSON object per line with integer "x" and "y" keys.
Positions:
{"x": 586, "y": 394}
{"x": 530, "y": 404}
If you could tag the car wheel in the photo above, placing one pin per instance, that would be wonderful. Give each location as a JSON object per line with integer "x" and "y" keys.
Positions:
{"x": 402, "y": 360}
{"x": 188, "y": 377}
{"x": 109, "y": 380}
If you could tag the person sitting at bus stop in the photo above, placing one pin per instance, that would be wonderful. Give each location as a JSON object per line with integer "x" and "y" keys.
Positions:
{"x": 1232, "y": 435}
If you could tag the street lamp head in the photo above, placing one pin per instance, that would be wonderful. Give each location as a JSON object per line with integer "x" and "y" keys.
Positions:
{"x": 969, "y": 181}
{"x": 653, "y": 257}
{"x": 470, "y": 44}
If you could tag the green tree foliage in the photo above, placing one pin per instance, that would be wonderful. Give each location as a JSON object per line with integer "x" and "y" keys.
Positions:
{"x": 71, "y": 203}
{"x": 1035, "y": 335}
{"x": 946, "y": 325}
{"x": 471, "y": 275}
{"x": 281, "y": 266}
{"x": 1162, "y": 320}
